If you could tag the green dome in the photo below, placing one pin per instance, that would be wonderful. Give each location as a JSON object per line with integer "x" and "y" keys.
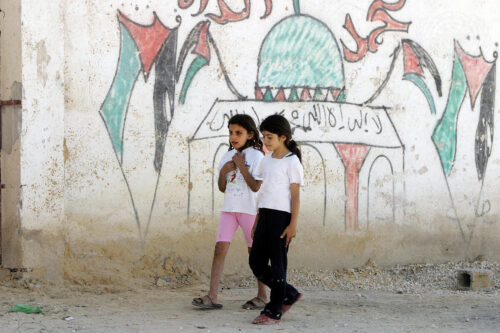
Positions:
{"x": 300, "y": 51}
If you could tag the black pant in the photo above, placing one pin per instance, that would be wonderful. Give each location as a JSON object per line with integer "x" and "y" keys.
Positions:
{"x": 267, "y": 245}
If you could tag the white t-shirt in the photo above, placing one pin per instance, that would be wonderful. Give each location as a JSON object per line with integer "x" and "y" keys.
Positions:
{"x": 239, "y": 198}
{"x": 277, "y": 174}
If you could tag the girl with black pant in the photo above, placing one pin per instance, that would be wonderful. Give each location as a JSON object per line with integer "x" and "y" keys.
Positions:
{"x": 282, "y": 175}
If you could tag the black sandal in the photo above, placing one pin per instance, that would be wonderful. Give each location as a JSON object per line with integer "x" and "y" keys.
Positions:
{"x": 254, "y": 304}
{"x": 205, "y": 302}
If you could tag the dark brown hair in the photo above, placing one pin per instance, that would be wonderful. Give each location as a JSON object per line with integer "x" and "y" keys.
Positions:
{"x": 247, "y": 123}
{"x": 278, "y": 125}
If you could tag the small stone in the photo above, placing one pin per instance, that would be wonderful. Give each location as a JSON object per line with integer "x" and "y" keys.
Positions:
{"x": 161, "y": 283}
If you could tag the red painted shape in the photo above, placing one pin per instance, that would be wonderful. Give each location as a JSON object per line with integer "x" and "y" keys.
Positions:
{"x": 476, "y": 69}
{"x": 202, "y": 48}
{"x": 269, "y": 8}
{"x": 412, "y": 65}
{"x": 280, "y": 96}
{"x": 228, "y": 15}
{"x": 305, "y": 96}
{"x": 390, "y": 24}
{"x": 335, "y": 93}
{"x": 203, "y": 6}
{"x": 361, "y": 43}
{"x": 376, "y": 13}
{"x": 148, "y": 39}
{"x": 379, "y": 4}
{"x": 258, "y": 94}
{"x": 185, "y": 3}
{"x": 353, "y": 156}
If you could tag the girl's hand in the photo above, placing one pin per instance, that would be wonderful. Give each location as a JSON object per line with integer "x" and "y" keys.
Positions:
{"x": 289, "y": 233}
{"x": 228, "y": 167}
{"x": 253, "y": 229}
{"x": 239, "y": 160}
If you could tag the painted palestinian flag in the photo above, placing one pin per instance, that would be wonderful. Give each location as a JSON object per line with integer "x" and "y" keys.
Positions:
{"x": 416, "y": 60}
{"x": 473, "y": 74}
{"x": 142, "y": 46}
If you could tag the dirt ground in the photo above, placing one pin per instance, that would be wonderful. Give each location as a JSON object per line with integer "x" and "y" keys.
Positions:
{"x": 415, "y": 298}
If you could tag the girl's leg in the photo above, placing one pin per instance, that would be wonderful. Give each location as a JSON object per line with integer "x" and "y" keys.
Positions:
{"x": 261, "y": 287}
{"x": 281, "y": 291}
{"x": 227, "y": 227}
{"x": 246, "y": 222}
{"x": 259, "y": 254}
{"x": 220, "y": 252}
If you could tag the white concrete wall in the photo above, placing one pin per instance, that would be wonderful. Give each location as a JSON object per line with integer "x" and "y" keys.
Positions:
{"x": 70, "y": 58}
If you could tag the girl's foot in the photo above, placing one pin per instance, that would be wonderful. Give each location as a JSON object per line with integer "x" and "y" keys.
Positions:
{"x": 286, "y": 307}
{"x": 205, "y": 302}
{"x": 255, "y": 303}
{"x": 263, "y": 319}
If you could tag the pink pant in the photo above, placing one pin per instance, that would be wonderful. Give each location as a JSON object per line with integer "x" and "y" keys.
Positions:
{"x": 229, "y": 223}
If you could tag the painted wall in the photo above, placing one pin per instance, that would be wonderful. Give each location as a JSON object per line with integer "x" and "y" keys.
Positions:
{"x": 393, "y": 103}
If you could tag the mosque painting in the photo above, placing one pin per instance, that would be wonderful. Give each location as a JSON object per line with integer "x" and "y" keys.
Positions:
{"x": 301, "y": 76}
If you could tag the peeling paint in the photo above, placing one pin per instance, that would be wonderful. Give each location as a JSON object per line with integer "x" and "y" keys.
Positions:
{"x": 42, "y": 60}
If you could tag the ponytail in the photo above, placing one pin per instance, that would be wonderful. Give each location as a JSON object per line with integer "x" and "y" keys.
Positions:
{"x": 294, "y": 148}
{"x": 278, "y": 125}
{"x": 256, "y": 143}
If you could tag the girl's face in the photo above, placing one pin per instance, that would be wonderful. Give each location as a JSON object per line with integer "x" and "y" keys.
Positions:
{"x": 272, "y": 141}
{"x": 238, "y": 136}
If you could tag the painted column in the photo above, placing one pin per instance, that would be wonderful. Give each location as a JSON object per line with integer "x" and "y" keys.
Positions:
{"x": 353, "y": 157}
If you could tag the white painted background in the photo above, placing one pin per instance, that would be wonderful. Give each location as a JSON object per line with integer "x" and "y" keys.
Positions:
{"x": 75, "y": 189}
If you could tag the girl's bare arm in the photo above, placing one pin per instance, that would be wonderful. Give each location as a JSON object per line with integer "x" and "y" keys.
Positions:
{"x": 228, "y": 167}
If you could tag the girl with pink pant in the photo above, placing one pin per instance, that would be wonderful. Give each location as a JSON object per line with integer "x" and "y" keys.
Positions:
{"x": 240, "y": 188}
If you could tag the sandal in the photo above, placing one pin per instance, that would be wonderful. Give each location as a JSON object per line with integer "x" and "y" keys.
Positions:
{"x": 205, "y": 302}
{"x": 287, "y": 307}
{"x": 254, "y": 304}
{"x": 263, "y": 319}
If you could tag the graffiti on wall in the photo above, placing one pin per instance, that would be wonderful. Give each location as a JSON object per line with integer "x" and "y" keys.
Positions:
{"x": 301, "y": 75}
{"x": 378, "y": 12}
{"x": 141, "y": 47}
{"x": 145, "y": 46}
{"x": 470, "y": 73}
{"x": 357, "y": 134}
{"x": 226, "y": 13}
{"x": 473, "y": 74}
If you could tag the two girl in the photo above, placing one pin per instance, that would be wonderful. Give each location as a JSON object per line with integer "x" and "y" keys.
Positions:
{"x": 236, "y": 181}
{"x": 281, "y": 175}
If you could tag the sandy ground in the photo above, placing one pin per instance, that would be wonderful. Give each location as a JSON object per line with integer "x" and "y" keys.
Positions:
{"x": 162, "y": 309}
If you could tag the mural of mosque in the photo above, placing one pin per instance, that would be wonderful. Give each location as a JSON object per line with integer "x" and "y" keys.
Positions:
{"x": 301, "y": 76}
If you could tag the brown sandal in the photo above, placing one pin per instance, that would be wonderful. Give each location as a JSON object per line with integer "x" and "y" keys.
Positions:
{"x": 254, "y": 304}
{"x": 205, "y": 302}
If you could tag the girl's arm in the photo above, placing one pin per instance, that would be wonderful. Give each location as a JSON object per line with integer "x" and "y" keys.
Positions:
{"x": 239, "y": 160}
{"x": 228, "y": 167}
{"x": 291, "y": 230}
